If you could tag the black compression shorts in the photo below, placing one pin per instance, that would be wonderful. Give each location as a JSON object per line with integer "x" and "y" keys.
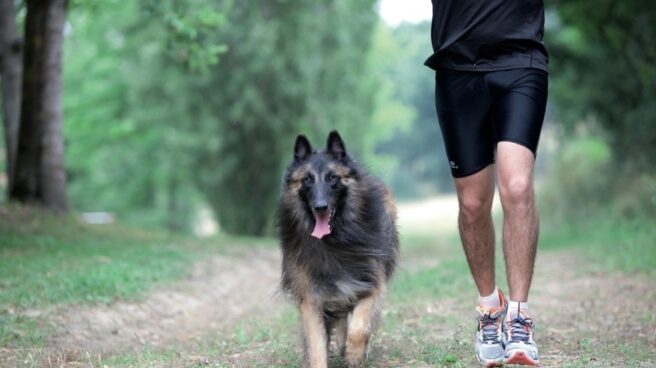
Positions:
{"x": 477, "y": 110}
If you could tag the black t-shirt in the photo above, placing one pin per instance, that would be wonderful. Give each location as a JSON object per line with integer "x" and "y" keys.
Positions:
{"x": 485, "y": 35}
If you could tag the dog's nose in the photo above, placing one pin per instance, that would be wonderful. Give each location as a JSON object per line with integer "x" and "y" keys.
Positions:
{"x": 320, "y": 206}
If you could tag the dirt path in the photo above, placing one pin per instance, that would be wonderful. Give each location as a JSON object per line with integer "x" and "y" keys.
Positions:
{"x": 593, "y": 316}
{"x": 220, "y": 292}
{"x": 580, "y": 313}
{"x": 584, "y": 318}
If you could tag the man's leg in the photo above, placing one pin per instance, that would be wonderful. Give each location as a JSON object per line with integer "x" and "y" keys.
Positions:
{"x": 520, "y": 217}
{"x": 475, "y": 195}
{"x": 518, "y": 115}
{"x": 520, "y": 236}
{"x": 464, "y": 108}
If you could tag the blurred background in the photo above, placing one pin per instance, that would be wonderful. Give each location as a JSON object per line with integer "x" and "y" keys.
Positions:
{"x": 182, "y": 114}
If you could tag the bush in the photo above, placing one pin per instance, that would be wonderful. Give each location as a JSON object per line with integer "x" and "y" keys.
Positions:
{"x": 580, "y": 178}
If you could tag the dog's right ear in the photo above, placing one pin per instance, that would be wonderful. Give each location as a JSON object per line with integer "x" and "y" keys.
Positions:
{"x": 302, "y": 148}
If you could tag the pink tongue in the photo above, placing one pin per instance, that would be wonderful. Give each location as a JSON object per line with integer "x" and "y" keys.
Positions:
{"x": 321, "y": 226}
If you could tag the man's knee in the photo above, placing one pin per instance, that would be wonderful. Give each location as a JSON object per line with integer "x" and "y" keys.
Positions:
{"x": 474, "y": 208}
{"x": 516, "y": 191}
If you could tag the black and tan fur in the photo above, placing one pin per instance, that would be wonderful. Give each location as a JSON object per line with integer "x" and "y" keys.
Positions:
{"x": 340, "y": 280}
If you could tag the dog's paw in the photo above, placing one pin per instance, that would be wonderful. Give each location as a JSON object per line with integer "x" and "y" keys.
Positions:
{"x": 356, "y": 358}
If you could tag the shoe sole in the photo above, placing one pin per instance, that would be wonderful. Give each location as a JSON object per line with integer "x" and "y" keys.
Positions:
{"x": 520, "y": 357}
{"x": 491, "y": 363}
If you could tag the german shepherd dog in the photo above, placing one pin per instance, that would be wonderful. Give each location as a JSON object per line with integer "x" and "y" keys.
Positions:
{"x": 339, "y": 245}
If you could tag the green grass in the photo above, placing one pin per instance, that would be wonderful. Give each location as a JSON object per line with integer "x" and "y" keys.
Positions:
{"x": 618, "y": 244}
{"x": 47, "y": 261}
{"x": 444, "y": 280}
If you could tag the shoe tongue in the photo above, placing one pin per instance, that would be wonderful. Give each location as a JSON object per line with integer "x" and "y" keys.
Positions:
{"x": 513, "y": 312}
{"x": 493, "y": 312}
{"x": 496, "y": 312}
{"x": 321, "y": 225}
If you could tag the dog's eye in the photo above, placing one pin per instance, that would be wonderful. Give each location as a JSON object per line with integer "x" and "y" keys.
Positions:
{"x": 330, "y": 177}
{"x": 308, "y": 180}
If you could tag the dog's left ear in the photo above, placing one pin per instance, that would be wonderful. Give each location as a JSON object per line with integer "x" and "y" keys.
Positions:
{"x": 335, "y": 145}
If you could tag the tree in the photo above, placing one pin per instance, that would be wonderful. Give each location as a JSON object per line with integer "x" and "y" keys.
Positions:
{"x": 11, "y": 74}
{"x": 132, "y": 69}
{"x": 291, "y": 66}
{"x": 604, "y": 68}
{"x": 173, "y": 104}
{"x": 40, "y": 175}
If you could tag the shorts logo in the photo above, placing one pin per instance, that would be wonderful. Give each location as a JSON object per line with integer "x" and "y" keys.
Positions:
{"x": 453, "y": 165}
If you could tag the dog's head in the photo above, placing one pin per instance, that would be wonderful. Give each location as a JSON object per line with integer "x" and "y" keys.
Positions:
{"x": 317, "y": 183}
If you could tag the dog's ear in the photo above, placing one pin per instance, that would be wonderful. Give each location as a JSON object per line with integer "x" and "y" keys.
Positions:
{"x": 302, "y": 148}
{"x": 335, "y": 145}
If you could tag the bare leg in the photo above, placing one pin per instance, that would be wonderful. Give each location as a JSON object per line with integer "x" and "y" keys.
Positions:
{"x": 315, "y": 339}
{"x": 520, "y": 216}
{"x": 475, "y": 195}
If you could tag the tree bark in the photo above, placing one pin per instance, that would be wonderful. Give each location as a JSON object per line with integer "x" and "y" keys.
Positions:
{"x": 11, "y": 73}
{"x": 40, "y": 175}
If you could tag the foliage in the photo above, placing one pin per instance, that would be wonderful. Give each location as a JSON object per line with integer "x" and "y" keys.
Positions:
{"x": 577, "y": 178}
{"x": 604, "y": 67}
{"x": 240, "y": 81}
{"x": 292, "y": 67}
{"x": 171, "y": 106}
{"x": 585, "y": 208}
{"x": 421, "y": 167}
{"x": 603, "y": 63}
{"x": 129, "y": 135}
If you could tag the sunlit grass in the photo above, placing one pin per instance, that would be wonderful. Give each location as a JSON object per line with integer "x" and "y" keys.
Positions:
{"x": 47, "y": 261}
{"x": 612, "y": 242}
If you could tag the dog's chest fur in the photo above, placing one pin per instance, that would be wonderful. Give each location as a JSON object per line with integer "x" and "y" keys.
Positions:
{"x": 337, "y": 275}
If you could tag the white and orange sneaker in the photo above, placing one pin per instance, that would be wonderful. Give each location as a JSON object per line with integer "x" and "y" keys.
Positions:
{"x": 489, "y": 334}
{"x": 520, "y": 348}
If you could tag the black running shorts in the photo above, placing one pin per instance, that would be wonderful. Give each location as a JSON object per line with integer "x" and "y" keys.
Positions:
{"x": 477, "y": 110}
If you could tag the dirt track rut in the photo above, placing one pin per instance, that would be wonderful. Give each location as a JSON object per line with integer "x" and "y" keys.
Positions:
{"x": 219, "y": 293}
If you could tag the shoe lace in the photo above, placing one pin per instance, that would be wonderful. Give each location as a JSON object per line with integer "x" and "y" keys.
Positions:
{"x": 520, "y": 329}
{"x": 489, "y": 328}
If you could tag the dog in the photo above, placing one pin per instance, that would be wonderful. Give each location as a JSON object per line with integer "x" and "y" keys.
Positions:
{"x": 339, "y": 242}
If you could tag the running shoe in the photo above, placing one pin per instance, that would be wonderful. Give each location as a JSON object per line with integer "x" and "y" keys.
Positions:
{"x": 489, "y": 335}
{"x": 518, "y": 340}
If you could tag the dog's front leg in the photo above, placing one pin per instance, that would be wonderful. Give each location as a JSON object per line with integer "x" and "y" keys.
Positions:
{"x": 340, "y": 335}
{"x": 361, "y": 325}
{"x": 315, "y": 339}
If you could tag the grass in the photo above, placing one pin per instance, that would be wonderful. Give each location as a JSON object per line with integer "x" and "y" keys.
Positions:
{"x": 46, "y": 261}
{"x": 616, "y": 243}
{"x": 407, "y": 334}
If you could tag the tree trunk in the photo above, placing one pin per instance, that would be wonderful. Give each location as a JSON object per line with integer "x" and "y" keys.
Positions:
{"x": 173, "y": 211}
{"x": 40, "y": 175}
{"x": 10, "y": 71}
